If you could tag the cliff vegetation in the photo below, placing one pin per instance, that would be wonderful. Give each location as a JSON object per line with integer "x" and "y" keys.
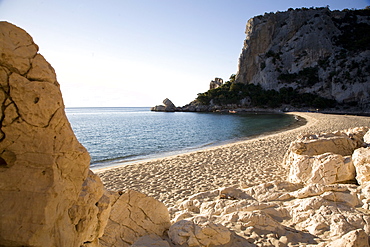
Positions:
{"x": 313, "y": 51}
{"x": 231, "y": 93}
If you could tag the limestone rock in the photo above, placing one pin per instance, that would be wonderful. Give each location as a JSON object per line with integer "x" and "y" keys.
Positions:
{"x": 324, "y": 158}
{"x": 277, "y": 214}
{"x": 323, "y": 169}
{"x": 150, "y": 241}
{"x": 168, "y": 106}
{"x": 41, "y": 71}
{"x": 193, "y": 234}
{"x": 315, "y": 210}
{"x": 158, "y": 108}
{"x": 361, "y": 161}
{"x": 217, "y": 82}
{"x": 134, "y": 215}
{"x": 48, "y": 197}
{"x": 355, "y": 238}
{"x": 340, "y": 142}
{"x": 17, "y": 49}
{"x": 91, "y": 211}
{"x": 301, "y": 49}
{"x": 367, "y": 138}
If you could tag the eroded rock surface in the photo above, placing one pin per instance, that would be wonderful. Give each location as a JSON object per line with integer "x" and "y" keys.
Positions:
{"x": 192, "y": 233}
{"x": 316, "y": 210}
{"x": 361, "y": 161}
{"x": 310, "y": 50}
{"x": 134, "y": 215}
{"x": 275, "y": 214}
{"x": 325, "y": 158}
{"x": 47, "y": 195}
{"x": 167, "y": 106}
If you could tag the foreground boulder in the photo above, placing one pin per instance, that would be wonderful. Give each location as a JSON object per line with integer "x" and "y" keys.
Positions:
{"x": 47, "y": 196}
{"x": 134, "y": 215}
{"x": 199, "y": 234}
{"x": 274, "y": 214}
{"x": 311, "y": 209}
{"x": 361, "y": 161}
{"x": 325, "y": 158}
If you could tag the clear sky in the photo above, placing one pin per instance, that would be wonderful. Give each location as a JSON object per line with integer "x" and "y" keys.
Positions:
{"x": 139, "y": 52}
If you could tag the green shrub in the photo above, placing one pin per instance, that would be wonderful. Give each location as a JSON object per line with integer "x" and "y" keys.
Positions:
{"x": 232, "y": 93}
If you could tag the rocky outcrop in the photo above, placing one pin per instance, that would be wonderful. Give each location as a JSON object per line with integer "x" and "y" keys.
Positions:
{"x": 312, "y": 50}
{"x": 167, "y": 107}
{"x": 355, "y": 238}
{"x": 151, "y": 240}
{"x": 320, "y": 212}
{"x": 48, "y": 197}
{"x": 280, "y": 214}
{"x": 361, "y": 161}
{"x": 194, "y": 233}
{"x": 217, "y": 82}
{"x": 326, "y": 158}
{"x": 134, "y": 215}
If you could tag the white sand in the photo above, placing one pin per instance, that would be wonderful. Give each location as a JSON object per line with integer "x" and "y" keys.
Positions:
{"x": 251, "y": 162}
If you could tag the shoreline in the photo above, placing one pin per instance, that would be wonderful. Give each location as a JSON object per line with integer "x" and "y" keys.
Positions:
{"x": 244, "y": 163}
{"x": 300, "y": 121}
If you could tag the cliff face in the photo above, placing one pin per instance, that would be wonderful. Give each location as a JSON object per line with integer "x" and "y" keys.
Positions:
{"x": 311, "y": 50}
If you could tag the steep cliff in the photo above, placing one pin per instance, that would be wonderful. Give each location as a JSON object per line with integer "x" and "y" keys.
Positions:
{"x": 312, "y": 50}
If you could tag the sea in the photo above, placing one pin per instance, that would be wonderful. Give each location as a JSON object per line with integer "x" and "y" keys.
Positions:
{"x": 121, "y": 135}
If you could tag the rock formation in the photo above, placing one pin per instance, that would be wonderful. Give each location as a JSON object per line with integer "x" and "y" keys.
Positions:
{"x": 325, "y": 158}
{"x": 134, "y": 215}
{"x": 168, "y": 106}
{"x": 46, "y": 189}
{"x": 280, "y": 213}
{"x": 217, "y": 82}
{"x": 194, "y": 233}
{"x": 312, "y": 50}
{"x": 48, "y": 195}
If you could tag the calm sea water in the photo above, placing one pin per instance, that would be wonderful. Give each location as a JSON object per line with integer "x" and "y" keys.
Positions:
{"x": 114, "y": 135}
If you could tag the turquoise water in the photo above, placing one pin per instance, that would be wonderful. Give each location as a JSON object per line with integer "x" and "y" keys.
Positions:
{"x": 125, "y": 134}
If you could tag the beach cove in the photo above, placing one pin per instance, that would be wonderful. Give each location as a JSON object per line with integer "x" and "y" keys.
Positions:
{"x": 240, "y": 164}
{"x": 235, "y": 195}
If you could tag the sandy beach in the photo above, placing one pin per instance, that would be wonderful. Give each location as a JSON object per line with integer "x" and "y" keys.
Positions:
{"x": 249, "y": 162}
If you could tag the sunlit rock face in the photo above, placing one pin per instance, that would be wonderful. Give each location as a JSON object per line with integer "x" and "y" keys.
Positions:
{"x": 312, "y": 50}
{"x": 314, "y": 208}
{"x": 134, "y": 215}
{"x": 327, "y": 158}
{"x": 47, "y": 195}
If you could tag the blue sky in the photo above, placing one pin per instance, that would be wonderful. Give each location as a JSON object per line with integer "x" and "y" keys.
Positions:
{"x": 138, "y": 52}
